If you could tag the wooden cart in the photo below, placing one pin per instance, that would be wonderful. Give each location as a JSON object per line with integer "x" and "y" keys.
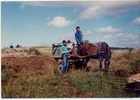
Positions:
{"x": 56, "y": 54}
{"x": 133, "y": 83}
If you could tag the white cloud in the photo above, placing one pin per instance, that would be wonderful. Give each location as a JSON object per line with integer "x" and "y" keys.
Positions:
{"x": 108, "y": 36}
{"x": 109, "y": 30}
{"x": 60, "y": 22}
{"x": 136, "y": 21}
{"x": 91, "y": 9}
{"x": 106, "y": 9}
{"x": 91, "y": 12}
{"x": 119, "y": 34}
{"x": 48, "y": 4}
{"x": 124, "y": 40}
{"x": 29, "y": 27}
{"x": 113, "y": 36}
{"x": 128, "y": 30}
{"x": 76, "y": 4}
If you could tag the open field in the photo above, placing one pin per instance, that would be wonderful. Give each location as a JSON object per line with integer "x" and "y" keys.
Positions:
{"x": 26, "y": 73}
{"x": 23, "y": 51}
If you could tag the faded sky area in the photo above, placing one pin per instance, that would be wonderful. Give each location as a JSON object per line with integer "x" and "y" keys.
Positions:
{"x": 43, "y": 23}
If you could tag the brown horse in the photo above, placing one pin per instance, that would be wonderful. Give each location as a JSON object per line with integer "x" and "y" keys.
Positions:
{"x": 99, "y": 51}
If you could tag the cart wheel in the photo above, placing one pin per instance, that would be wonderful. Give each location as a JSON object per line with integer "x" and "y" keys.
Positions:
{"x": 56, "y": 59}
{"x": 60, "y": 67}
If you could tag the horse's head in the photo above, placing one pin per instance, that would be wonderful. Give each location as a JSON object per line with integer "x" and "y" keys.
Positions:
{"x": 107, "y": 63}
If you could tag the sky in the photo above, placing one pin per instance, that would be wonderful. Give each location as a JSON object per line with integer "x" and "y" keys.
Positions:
{"x": 42, "y": 23}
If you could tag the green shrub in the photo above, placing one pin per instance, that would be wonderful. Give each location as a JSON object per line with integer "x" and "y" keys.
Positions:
{"x": 34, "y": 51}
{"x": 37, "y": 52}
{"x": 134, "y": 66}
{"x": 26, "y": 51}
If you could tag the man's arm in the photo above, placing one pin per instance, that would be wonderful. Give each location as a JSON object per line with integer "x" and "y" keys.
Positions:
{"x": 76, "y": 37}
{"x": 64, "y": 52}
{"x": 78, "y": 41}
{"x": 82, "y": 39}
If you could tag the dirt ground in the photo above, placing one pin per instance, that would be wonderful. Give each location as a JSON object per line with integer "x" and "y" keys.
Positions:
{"x": 24, "y": 66}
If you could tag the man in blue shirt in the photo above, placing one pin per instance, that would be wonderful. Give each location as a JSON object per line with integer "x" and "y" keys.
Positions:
{"x": 79, "y": 38}
{"x": 64, "y": 51}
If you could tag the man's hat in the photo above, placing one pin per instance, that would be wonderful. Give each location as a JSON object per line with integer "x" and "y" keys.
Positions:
{"x": 77, "y": 27}
{"x": 64, "y": 41}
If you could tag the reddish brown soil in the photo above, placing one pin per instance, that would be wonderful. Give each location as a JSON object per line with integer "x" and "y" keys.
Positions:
{"x": 25, "y": 66}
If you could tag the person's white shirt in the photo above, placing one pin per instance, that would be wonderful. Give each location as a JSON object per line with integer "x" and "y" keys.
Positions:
{"x": 69, "y": 45}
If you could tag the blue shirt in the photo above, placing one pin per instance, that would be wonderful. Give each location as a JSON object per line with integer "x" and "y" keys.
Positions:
{"x": 78, "y": 36}
{"x": 64, "y": 49}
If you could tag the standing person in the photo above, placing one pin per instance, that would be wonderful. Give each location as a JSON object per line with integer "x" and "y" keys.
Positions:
{"x": 70, "y": 47}
{"x": 79, "y": 38}
{"x": 64, "y": 51}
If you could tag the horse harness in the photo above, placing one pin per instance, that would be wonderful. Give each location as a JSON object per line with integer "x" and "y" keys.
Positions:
{"x": 98, "y": 44}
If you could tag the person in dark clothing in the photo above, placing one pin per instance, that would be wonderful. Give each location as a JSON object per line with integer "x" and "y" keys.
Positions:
{"x": 79, "y": 38}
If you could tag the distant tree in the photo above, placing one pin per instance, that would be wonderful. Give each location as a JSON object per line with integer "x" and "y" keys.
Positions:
{"x": 18, "y": 46}
{"x": 11, "y": 46}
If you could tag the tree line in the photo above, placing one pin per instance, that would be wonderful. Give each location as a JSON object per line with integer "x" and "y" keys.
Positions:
{"x": 11, "y": 46}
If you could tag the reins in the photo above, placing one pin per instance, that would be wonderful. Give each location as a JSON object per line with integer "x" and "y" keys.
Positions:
{"x": 94, "y": 46}
{"x": 89, "y": 48}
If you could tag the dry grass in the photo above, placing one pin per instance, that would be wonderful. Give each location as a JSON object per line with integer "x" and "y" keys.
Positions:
{"x": 81, "y": 83}
{"x": 20, "y": 52}
{"x": 121, "y": 59}
{"x": 124, "y": 60}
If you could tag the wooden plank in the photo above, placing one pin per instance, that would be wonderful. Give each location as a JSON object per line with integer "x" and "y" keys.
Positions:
{"x": 52, "y": 48}
{"x": 87, "y": 55}
{"x": 57, "y": 56}
{"x": 58, "y": 48}
{"x": 57, "y": 45}
{"x": 125, "y": 88}
{"x": 73, "y": 48}
{"x": 116, "y": 83}
{"x": 134, "y": 78}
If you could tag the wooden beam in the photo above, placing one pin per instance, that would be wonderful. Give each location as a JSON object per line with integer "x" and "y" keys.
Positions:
{"x": 58, "y": 48}
{"x": 52, "y": 49}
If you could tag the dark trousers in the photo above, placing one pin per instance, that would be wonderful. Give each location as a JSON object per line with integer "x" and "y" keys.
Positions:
{"x": 78, "y": 49}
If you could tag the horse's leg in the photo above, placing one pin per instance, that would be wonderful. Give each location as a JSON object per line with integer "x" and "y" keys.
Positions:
{"x": 83, "y": 64}
{"x": 101, "y": 61}
{"x": 86, "y": 62}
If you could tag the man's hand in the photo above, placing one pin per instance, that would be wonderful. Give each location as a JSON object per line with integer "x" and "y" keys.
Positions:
{"x": 79, "y": 43}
